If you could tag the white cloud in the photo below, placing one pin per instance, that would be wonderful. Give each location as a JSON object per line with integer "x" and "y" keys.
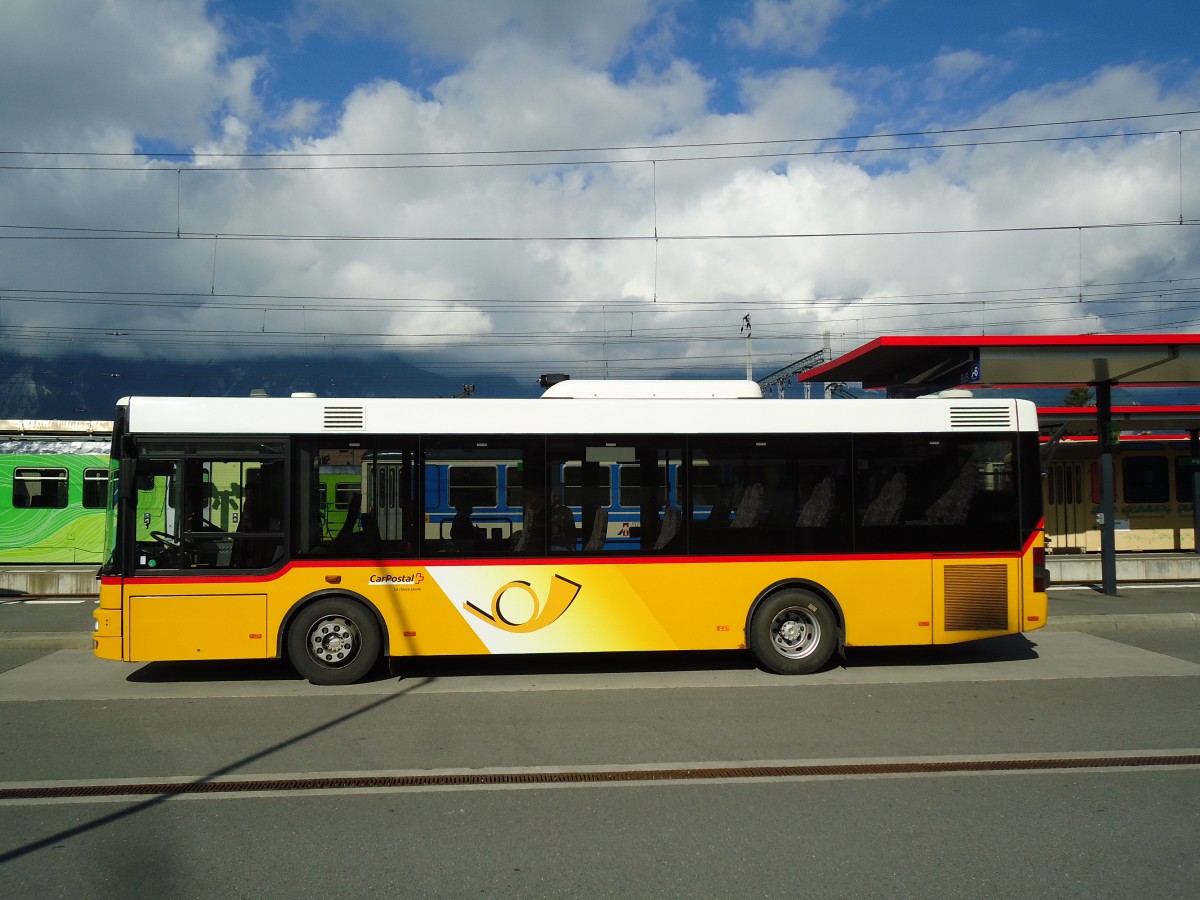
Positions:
{"x": 798, "y": 26}
{"x": 108, "y": 73}
{"x": 458, "y": 29}
{"x": 958, "y": 65}
{"x": 300, "y": 117}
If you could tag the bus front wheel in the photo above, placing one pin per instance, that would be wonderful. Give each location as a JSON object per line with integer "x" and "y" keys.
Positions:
{"x": 793, "y": 632}
{"x": 333, "y": 641}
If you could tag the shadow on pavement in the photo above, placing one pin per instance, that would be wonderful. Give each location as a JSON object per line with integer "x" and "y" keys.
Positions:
{"x": 992, "y": 650}
{"x": 1008, "y": 648}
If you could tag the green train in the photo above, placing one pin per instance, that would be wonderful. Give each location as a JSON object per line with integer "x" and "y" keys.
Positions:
{"x": 54, "y": 478}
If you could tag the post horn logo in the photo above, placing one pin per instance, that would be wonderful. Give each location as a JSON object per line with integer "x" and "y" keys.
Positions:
{"x": 510, "y": 610}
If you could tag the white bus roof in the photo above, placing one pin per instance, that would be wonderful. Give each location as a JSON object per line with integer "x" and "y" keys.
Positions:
{"x": 599, "y": 416}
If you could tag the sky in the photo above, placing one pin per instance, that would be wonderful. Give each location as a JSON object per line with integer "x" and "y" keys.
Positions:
{"x": 626, "y": 189}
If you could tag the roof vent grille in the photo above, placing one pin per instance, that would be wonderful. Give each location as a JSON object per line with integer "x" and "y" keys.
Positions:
{"x": 981, "y": 416}
{"x": 344, "y": 418}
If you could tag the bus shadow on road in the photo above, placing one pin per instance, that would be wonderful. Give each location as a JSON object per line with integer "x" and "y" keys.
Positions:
{"x": 215, "y": 671}
{"x": 449, "y": 667}
{"x": 572, "y": 663}
{"x": 1007, "y": 648}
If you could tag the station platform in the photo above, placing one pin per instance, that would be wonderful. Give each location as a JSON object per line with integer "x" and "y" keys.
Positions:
{"x": 49, "y": 581}
{"x": 1132, "y": 568}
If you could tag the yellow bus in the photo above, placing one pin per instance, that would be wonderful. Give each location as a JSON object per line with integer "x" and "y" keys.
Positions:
{"x": 603, "y": 516}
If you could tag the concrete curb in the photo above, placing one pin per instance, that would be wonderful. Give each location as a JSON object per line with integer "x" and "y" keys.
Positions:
{"x": 67, "y": 640}
{"x": 1126, "y": 622}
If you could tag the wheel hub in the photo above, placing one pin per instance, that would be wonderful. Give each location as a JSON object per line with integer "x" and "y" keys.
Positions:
{"x": 791, "y": 631}
{"x": 331, "y": 641}
{"x": 795, "y": 633}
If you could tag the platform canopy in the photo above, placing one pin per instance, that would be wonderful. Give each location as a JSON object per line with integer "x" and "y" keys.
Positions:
{"x": 917, "y": 365}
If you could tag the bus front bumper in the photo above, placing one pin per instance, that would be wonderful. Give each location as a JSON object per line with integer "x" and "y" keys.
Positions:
{"x": 106, "y": 633}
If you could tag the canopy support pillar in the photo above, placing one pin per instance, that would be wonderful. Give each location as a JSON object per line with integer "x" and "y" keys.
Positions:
{"x": 1108, "y": 505}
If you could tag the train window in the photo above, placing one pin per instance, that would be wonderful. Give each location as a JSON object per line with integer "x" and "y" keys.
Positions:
{"x": 1184, "y": 488}
{"x": 473, "y": 485}
{"x": 40, "y": 489}
{"x": 578, "y": 483}
{"x": 1145, "y": 479}
{"x": 629, "y": 485}
{"x": 344, "y": 492}
{"x": 513, "y": 491}
{"x": 95, "y": 488}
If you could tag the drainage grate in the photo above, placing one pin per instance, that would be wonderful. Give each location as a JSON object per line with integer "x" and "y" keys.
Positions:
{"x": 468, "y": 779}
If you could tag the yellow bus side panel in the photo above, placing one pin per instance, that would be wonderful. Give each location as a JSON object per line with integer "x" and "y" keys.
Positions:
{"x": 543, "y": 606}
{"x": 548, "y": 608}
{"x": 191, "y": 626}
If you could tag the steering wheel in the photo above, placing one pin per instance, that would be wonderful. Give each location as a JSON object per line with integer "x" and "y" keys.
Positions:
{"x": 167, "y": 540}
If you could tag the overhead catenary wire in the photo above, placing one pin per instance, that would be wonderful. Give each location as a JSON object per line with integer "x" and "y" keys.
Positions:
{"x": 73, "y": 233}
{"x": 171, "y": 158}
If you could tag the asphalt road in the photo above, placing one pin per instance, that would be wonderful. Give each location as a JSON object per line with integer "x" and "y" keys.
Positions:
{"x": 1060, "y": 764}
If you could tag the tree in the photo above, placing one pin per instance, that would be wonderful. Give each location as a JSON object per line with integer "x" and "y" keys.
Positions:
{"x": 1079, "y": 396}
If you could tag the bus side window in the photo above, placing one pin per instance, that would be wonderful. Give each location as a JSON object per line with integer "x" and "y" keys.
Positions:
{"x": 581, "y": 502}
{"x": 485, "y": 497}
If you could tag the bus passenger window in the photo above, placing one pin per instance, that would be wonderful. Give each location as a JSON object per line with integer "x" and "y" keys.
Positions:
{"x": 483, "y": 498}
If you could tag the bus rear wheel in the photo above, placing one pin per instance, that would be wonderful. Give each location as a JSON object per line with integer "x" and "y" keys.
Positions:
{"x": 793, "y": 632}
{"x": 333, "y": 641}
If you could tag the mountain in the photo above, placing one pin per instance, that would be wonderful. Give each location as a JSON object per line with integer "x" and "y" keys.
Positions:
{"x": 88, "y": 386}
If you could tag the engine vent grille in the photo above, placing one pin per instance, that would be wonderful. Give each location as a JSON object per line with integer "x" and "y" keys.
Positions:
{"x": 344, "y": 418}
{"x": 981, "y": 416}
{"x": 976, "y": 598}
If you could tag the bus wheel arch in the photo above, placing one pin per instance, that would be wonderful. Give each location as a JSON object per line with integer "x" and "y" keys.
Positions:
{"x": 333, "y": 638}
{"x": 794, "y": 627}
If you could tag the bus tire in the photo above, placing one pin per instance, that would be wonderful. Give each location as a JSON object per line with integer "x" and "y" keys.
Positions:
{"x": 793, "y": 632}
{"x": 333, "y": 641}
